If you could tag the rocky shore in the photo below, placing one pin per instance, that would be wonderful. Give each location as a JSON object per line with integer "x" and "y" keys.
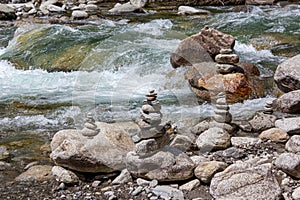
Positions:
{"x": 217, "y": 158}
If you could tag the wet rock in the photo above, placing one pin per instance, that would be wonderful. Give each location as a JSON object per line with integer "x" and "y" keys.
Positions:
{"x": 201, "y": 47}
{"x": 123, "y": 178}
{"x": 293, "y": 145}
{"x": 261, "y": 122}
{"x": 206, "y": 170}
{"x": 288, "y": 103}
{"x": 7, "y": 12}
{"x": 189, "y": 186}
{"x": 213, "y": 139}
{"x": 105, "y": 152}
{"x": 235, "y": 86}
{"x": 245, "y": 180}
{"x": 36, "y": 173}
{"x": 249, "y": 69}
{"x": 241, "y": 141}
{"x": 290, "y": 125}
{"x": 289, "y": 163}
{"x": 287, "y": 74}
{"x": 165, "y": 165}
{"x": 188, "y": 10}
{"x": 275, "y": 135}
{"x": 167, "y": 192}
{"x": 64, "y": 176}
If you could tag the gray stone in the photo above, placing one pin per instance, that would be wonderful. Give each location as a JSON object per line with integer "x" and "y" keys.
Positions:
{"x": 189, "y": 186}
{"x": 293, "y": 145}
{"x": 181, "y": 142}
{"x": 213, "y": 139}
{"x": 205, "y": 125}
{"x": 290, "y": 125}
{"x": 142, "y": 182}
{"x": 123, "y": 8}
{"x": 289, "y": 163}
{"x": 198, "y": 159}
{"x": 138, "y": 190}
{"x": 138, "y": 3}
{"x": 287, "y": 74}
{"x": 275, "y": 135}
{"x": 36, "y": 173}
{"x": 182, "y": 10}
{"x": 123, "y": 178}
{"x": 167, "y": 192}
{"x": 106, "y": 152}
{"x": 245, "y": 180}
{"x": 79, "y": 14}
{"x": 4, "y": 166}
{"x": 288, "y": 103}
{"x": 227, "y": 58}
{"x": 206, "y": 170}
{"x": 169, "y": 164}
{"x": 146, "y": 147}
{"x": 227, "y": 68}
{"x": 261, "y": 122}
{"x": 7, "y": 12}
{"x": 296, "y": 194}
{"x": 64, "y": 176}
{"x": 241, "y": 141}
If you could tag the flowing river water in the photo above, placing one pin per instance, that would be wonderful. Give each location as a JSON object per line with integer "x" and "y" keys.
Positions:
{"x": 122, "y": 60}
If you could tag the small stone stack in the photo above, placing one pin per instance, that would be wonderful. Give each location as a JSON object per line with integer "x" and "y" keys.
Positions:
{"x": 90, "y": 128}
{"x": 150, "y": 122}
{"x": 222, "y": 114}
{"x": 268, "y": 109}
{"x": 226, "y": 62}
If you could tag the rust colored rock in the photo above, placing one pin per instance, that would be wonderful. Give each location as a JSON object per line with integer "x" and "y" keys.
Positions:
{"x": 201, "y": 47}
{"x": 250, "y": 69}
{"x": 236, "y": 87}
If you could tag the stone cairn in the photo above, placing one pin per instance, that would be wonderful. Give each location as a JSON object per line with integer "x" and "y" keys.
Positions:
{"x": 222, "y": 114}
{"x": 152, "y": 135}
{"x": 226, "y": 62}
{"x": 268, "y": 109}
{"x": 90, "y": 128}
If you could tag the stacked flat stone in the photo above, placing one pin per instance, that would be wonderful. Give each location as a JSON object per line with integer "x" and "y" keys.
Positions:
{"x": 268, "y": 109}
{"x": 90, "y": 128}
{"x": 226, "y": 62}
{"x": 150, "y": 122}
{"x": 222, "y": 114}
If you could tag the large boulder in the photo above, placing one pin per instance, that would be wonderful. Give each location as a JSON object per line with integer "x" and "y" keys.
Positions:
{"x": 105, "y": 152}
{"x": 201, "y": 47}
{"x": 245, "y": 180}
{"x": 288, "y": 103}
{"x": 168, "y": 164}
{"x": 235, "y": 86}
{"x": 287, "y": 74}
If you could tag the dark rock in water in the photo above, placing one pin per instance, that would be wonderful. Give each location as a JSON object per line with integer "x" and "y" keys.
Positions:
{"x": 201, "y": 47}
{"x": 249, "y": 69}
{"x": 288, "y": 103}
{"x": 287, "y": 74}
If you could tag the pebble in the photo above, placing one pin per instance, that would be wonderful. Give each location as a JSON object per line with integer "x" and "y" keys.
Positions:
{"x": 153, "y": 183}
{"x": 142, "y": 182}
{"x": 96, "y": 183}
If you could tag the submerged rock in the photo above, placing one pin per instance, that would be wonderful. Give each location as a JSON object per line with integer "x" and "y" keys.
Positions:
{"x": 287, "y": 74}
{"x": 182, "y": 10}
{"x": 105, "y": 152}
{"x": 245, "y": 180}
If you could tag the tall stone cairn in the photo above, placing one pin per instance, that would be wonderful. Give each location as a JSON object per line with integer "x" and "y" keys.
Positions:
{"x": 222, "y": 114}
